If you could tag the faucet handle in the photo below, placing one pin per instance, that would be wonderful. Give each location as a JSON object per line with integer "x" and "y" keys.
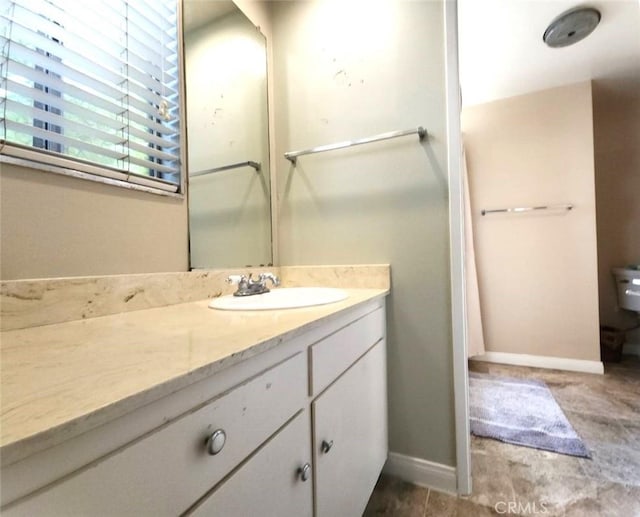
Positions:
{"x": 269, "y": 276}
{"x": 236, "y": 279}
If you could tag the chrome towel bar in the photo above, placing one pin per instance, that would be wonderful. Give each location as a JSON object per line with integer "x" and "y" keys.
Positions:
{"x": 249, "y": 163}
{"x": 567, "y": 206}
{"x": 293, "y": 155}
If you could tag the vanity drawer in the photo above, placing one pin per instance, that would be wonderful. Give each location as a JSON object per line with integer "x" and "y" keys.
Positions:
{"x": 164, "y": 472}
{"x": 270, "y": 484}
{"x": 333, "y": 355}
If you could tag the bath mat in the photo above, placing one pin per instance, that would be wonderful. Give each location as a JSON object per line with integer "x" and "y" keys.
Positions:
{"x": 521, "y": 412}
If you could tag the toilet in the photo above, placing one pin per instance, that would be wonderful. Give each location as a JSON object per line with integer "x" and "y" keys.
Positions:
{"x": 628, "y": 285}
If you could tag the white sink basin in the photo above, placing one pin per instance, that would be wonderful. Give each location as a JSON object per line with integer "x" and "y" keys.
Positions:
{"x": 280, "y": 298}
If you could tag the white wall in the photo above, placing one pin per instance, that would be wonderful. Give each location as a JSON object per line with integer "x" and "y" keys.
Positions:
{"x": 346, "y": 70}
{"x": 226, "y": 66}
{"x": 537, "y": 272}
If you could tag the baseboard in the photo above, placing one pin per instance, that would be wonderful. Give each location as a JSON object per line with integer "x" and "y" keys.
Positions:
{"x": 541, "y": 361}
{"x": 422, "y": 472}
{"x": 631, "y": 349}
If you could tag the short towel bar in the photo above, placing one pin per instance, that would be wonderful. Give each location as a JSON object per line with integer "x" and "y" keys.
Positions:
{"x": 567, "y": 206}
{"x": 249, "y": 163}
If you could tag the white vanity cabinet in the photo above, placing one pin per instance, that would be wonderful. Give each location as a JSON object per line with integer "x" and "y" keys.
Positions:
{"x": 165, "y": 471}
{"x": 300, "y": 430}
{"x": 275, "y": 482}
{"x": 350, "y": 436}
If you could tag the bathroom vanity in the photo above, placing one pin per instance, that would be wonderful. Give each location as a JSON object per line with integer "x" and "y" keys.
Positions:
{"x": 269, "y": 413}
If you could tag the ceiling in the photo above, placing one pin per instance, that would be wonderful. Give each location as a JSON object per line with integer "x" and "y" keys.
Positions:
{"x": 502, "y": 53}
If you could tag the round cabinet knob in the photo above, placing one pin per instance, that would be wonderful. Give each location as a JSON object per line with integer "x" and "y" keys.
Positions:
{"x": 325, "y": 447}
{"x": 216, "y": 441}
{"x": 305, "y": 472}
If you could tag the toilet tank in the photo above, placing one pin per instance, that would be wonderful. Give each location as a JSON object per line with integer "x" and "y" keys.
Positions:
{"x": 628, "y": 285}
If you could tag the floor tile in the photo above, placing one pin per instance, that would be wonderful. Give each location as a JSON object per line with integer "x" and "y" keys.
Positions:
{"x": 445, "y": 505}
{"x": 511, "y": 480}
{"x": 491, "y": 480}
{"x": 597, "y": 429}
{"x": 393, "y": 496}
{"x": 630, "y": 399}
{"x": 611, "y": 500}
{"x": 615, "y": 463}
{"x": 561, "y": 464}
{"x": 633, "y": 433}
{"x": 591, "y": 400}
{"x": 441, "y": 505}
{"x": 548, "y": 490}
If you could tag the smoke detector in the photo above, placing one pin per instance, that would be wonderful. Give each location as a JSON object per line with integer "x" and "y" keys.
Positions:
{"x": 571, "y": 27}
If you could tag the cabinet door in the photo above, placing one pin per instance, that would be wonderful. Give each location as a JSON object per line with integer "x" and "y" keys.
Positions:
{"x": 350, "y": 436}
{"x": 270, "y": 483}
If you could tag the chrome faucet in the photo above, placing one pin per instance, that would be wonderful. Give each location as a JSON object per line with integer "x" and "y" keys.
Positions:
{"x": 247, "y": 286}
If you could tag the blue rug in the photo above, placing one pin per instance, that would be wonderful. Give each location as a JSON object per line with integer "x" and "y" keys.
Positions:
{"x": 522, "y": 412}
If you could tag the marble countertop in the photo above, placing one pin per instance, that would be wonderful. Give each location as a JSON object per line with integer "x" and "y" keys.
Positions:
{"x": 69, "y": 377}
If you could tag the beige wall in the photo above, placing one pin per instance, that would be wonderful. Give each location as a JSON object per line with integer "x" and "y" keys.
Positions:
{"x": 341, "y": 74}
{"x": 616, "y": 116}
{"x": 537, "y": 272}
{"x": 53, "y": 225}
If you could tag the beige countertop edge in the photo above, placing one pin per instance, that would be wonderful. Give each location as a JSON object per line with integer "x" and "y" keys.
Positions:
{"x": 18, "y": 447}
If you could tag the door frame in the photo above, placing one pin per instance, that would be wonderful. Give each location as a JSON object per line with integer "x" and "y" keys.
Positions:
{"x": 457, "y": 251}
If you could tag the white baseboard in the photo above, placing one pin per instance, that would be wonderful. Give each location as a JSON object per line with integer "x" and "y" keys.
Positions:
{"x": 422, "y": 472}
{"x": 541, "y": 361}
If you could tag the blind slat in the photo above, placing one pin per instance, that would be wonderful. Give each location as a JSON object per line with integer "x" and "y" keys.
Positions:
{"x": 144, "y": 148}
{"x": 66, "y": 106}
{"x": 106, "y": 83}
{"x": 58, "y": 138}
{"x": 147, "y": 164}
{"x": 83, "y": 41}
{"x": 24, "y": 56}
{"x": 86, "y": 79}
{"x": 151, "y": 137}
{"x": 149, "y": 123}
{"x": 52, "y": 51}
{"x": 81, "y": 94}
{"x": 15, "y": 110}
{"x": 149, "y": 19}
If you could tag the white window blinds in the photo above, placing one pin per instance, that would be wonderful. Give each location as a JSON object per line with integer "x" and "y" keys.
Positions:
{"x": 93, "y": 86}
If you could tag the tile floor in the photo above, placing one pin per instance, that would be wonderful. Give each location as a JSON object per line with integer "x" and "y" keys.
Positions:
{"x": 603, "y": 409}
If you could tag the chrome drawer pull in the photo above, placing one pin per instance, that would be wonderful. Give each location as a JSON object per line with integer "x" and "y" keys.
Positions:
{"x": 326, "y": 446}
{"x": 304, "y": 472}
{"x": 216, "y": 441}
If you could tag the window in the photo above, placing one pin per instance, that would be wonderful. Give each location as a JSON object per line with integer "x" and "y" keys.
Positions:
{"x": 92, "y": 86}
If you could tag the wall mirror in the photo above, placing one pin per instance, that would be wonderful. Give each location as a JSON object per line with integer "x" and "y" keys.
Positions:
{"x": 225, "y": 61}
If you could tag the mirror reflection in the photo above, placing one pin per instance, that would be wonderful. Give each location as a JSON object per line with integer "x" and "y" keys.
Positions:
{"x": 228, "y": 136}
